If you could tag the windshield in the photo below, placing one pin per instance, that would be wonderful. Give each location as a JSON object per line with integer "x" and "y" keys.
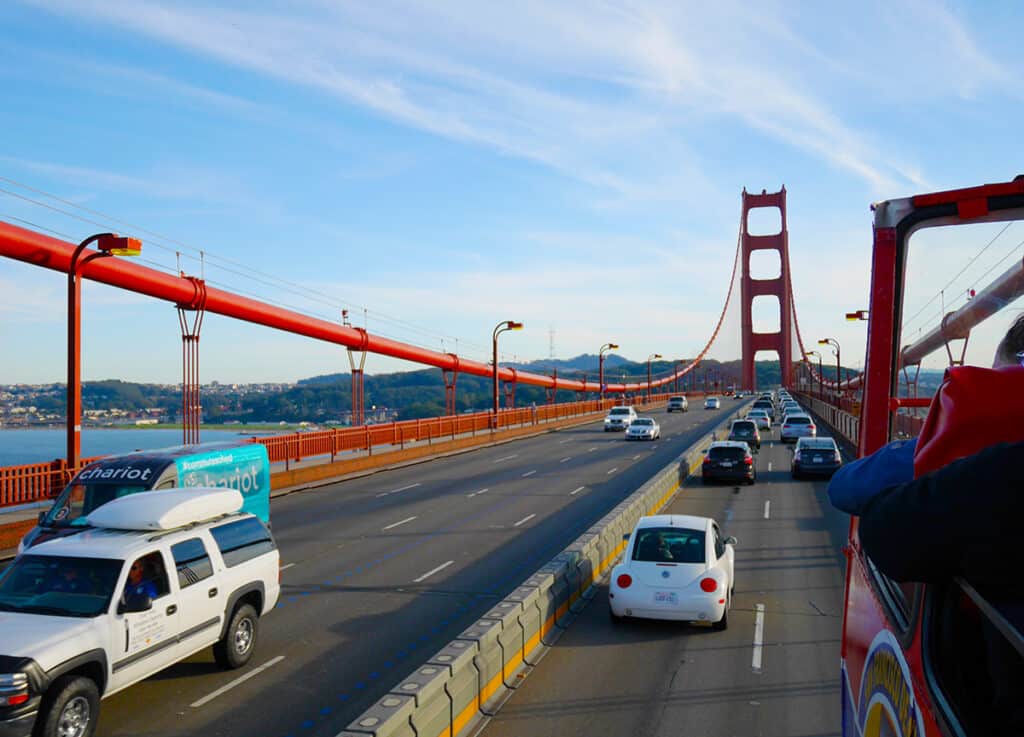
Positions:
{"x": 669, "y": 544}
{"x": 643, "y": 422}
{"x": 620, "y": 411}
{"x": 78, "y": 500}
{"x": 60, "y": 586}
{"x": 675, "y": 399}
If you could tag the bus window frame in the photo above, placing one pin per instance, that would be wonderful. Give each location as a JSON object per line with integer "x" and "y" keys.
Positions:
{"x": 904, "y": 622}
{"x": 896, "y": 222}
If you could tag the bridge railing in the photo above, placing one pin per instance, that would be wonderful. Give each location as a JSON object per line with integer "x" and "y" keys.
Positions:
{"x": 34, "y": 482}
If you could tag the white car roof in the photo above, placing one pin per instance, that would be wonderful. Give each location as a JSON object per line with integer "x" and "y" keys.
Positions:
{"x": 687, "y": 521}
{"x": 166, "y": 509}
{"x": 114, "y": 544}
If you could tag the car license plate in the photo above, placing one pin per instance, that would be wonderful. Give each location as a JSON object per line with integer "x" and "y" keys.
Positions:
{"x": 666, "y": 597}
{"x": 817, "y": 459}
{"x": 726, "y": 464}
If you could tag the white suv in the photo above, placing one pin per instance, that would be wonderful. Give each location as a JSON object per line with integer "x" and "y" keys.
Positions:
{"x": 155, "y": 578}
{"x": 619, "y": 418}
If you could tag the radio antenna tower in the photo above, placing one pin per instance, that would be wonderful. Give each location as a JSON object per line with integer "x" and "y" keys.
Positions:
{"x": 551, "y": 343}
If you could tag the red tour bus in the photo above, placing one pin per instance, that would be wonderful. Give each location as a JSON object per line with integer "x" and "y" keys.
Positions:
{"x": 915, "y": 659}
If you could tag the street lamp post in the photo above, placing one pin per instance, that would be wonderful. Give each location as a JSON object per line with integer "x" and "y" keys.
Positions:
{"x": 500, "y": 328}
{"x": 835, "y": 348}
{"x": 107, "y": 244}
{"x": 600, "y": 365}
{"x": 820, "y": 376}
{"x": 649, "y": 358}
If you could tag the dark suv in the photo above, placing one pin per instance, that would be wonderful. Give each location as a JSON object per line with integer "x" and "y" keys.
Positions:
{"x": 728, "y": 460}
{"x": 747, "y": 432}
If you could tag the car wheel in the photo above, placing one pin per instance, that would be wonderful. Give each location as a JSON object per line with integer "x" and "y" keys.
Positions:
{"x": 723, "y": 623}
{"x": 239, "y": 642}
{"x": 71, "y": 708}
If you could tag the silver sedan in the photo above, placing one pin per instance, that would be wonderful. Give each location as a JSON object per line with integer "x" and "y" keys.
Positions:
{"x": 643, "y": 428}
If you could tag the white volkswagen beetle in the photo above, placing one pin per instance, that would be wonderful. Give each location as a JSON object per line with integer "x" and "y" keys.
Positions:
{"x": 676, "y": 567}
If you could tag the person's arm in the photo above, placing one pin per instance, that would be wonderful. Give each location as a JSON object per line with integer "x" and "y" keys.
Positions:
{"x": 854, "y": 485}
{"x": 962, "y": 519}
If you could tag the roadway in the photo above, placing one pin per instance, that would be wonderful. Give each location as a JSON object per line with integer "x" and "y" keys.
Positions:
{"x": 379, "y": 573}
{"x": 659, "y": 678}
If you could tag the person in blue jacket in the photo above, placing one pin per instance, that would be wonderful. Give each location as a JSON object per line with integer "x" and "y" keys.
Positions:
{"x": 138, "y": 584}
{"x": 855, "y": 485}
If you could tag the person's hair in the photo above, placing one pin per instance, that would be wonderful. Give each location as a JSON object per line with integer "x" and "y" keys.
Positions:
{"x": 1012, "y": 343}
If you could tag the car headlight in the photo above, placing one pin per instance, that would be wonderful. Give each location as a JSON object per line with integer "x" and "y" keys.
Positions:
{"x": 13, "y": 689}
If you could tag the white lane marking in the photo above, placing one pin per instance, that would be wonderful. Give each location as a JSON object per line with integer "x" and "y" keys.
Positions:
{"x": 577, "y": 491}
{"x": 566, "y": 459}
{"x": 591, "y": 450}
{"x": 613, "y": 471}
{"x": 755, "y": 663}
{"x": 401, "y": 488}
{"x": 769, "y": 465}
{"x": 286, "y": 566}
{"x": 563, "y": 442}
{"x": 529, "y": 473}
{"x": 767, "y": 508}
{"x": 432, "y": 571}
{"x": 507, "y": 458}
{"x": 477, "y": 493}
{"x": 637, "y": 456}
{"x": 238, "y": 681}
{"x": 524, "y": 520}
{"x": 396, "y": 524}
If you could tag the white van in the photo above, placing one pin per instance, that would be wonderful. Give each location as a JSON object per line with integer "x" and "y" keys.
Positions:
{"x": 153, "y": 579}
{"x": 619, "y": 418}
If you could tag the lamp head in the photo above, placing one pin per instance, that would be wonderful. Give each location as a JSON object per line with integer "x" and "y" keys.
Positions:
{"x": 513, "y": 325}
{"x": 117, "y": 245}
{"x": 823, "y": 341}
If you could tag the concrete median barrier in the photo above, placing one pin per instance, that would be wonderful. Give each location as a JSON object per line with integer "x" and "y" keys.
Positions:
{"x": 463, "y": 686}
{"x": 389, "y": 717}
{"x": 470, "y": 678}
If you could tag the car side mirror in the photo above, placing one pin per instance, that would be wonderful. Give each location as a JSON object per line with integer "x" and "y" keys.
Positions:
{"x": 135, "y": 603}
{"x": 626, "y": 536}
{"x": 730, "y": 540}
{"x": 41, "y": 518}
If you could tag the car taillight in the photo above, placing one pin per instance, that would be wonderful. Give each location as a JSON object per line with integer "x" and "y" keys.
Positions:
{"x": 812, "y": 428}
{"x": 707, "y": 460}
{"x": 836, "y": 457}
{"x": 17, "y": 699}
{"x": 786, "y": 427}
{"x": 749, "y": 460}
{"x": 624, "y": 581}
{"x": 708, "y": 584}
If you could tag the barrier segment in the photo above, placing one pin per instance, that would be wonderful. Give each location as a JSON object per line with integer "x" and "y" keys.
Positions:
{"x": 433, "y": 712}
{"x": 463, "y": 686}
{"x": 475, "y": 670}
{"x": 488, "y": 660}
{"x": 389, "y": 717}
{"x": 510, "y": 638}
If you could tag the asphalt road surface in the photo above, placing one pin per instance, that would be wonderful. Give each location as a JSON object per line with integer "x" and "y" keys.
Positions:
{"x": 379, "y": 573}
{"x": 661, "y": 679}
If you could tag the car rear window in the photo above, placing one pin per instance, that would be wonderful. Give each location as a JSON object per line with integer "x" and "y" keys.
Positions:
{"x": 242, "y": 540}
{"x": 669, "y": 545}
{"x": 727, "y": 453}
{"x": 798, "y": 420}
{"x": 746, "y": 427}
{"x": 817, "y": 445}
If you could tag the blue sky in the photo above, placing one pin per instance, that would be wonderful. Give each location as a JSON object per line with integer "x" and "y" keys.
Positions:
{"x": 447, "y": 165}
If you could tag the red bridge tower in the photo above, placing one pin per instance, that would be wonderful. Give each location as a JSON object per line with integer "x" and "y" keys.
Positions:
{"x": 780, "y": 342}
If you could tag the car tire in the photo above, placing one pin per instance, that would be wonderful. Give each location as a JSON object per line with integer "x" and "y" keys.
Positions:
{"x": 235, "y": 649}
{"x": 723, "y": 623}
{"x": 71, "y": 707}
